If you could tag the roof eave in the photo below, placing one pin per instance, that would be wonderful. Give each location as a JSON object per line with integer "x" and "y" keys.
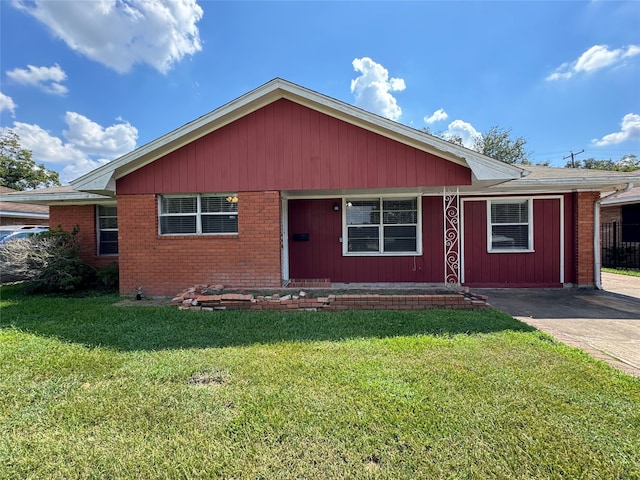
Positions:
{"x": 73, "y": 198}
{"x": 599, "y": 183}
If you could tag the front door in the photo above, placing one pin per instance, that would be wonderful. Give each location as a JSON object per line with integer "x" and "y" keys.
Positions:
{"x": 314, "y": 235}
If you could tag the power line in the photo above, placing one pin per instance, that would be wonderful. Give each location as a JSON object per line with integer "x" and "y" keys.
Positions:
{"x": 572, "y": 155}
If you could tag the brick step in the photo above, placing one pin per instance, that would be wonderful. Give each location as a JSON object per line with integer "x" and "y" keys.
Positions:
{"x": 309, "y": 283}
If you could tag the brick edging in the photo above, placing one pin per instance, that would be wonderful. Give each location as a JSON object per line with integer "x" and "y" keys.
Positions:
{"x": 194, "y": 300}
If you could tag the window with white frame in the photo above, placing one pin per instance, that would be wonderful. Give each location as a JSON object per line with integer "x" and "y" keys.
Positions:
{"x": 378, "y": 226}
{"x": 510, "y": 225}
{"x": 198, "y": 214}
{"x": 107, "y": 229}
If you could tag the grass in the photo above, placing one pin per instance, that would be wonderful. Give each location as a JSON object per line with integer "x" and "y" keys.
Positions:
{"x": 632, "y": 273}
{"x": 92, "y": 390}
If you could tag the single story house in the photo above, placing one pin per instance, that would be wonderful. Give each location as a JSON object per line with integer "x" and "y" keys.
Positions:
{"x": 12, "y": 213}
{"x": 285, "y": 185}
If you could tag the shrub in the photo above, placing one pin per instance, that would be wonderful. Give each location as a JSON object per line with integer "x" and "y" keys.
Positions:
{"x": 48, "y": 261}
{"x": 109, "y": 276}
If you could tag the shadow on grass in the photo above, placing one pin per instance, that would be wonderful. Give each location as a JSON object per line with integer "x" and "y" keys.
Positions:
{"x": 95, "y": 321}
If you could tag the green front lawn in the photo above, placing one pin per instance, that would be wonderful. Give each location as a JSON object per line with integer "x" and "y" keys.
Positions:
{"x": 620, "y": 271}
{"x": 93, "y": 390}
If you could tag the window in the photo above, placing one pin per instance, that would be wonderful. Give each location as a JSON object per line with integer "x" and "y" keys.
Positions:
{"x": 198, "y": 214}
{"x": 382, "y": 226}
{"x": 107, "y": 219}
{"x": 510, "y": 225}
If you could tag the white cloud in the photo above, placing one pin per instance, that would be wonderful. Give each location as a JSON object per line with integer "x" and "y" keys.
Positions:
{"x": 89, "y": 137}
{"x": 88, "y": 144}
{"x": 595, "y": 58}
{"x": 372, "y": 89}
{"x": 48, "y": 79}
{"x": 629, "y": 130}
{"x": 437, "y": 116}
{"x": 121, "y": 33}
{"x": 463, "y": 130}
{"x": 7, "y": 103}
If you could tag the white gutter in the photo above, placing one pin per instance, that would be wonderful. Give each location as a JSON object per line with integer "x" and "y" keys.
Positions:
{"x": 597, "y": 261}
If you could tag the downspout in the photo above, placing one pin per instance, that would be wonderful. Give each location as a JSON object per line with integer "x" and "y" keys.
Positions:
{"x": 596, "y": 234}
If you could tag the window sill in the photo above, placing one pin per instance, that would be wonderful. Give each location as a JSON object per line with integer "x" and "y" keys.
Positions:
{"x": 511, "y": 251}
{"x": 196, "y": 236}
{"x": 378, "y": 254}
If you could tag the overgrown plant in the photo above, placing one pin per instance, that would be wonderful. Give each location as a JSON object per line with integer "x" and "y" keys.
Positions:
{"x": 48, "y": 261}
{"x": 109, "y": 276}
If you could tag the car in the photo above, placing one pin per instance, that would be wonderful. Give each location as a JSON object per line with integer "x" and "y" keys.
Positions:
{"x": 24, "y": 232}
{"x": 6, "y": 230}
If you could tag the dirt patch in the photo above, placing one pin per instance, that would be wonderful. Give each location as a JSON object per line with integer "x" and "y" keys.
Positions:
{"x": 217, "y": 378}
{"x": 145, "y": 302}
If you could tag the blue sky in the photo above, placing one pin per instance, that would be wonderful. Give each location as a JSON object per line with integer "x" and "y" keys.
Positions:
{"x": 83, "y": 82}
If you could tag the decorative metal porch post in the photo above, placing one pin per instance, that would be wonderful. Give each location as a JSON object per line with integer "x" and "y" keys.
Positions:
{"x": 451, "y": 205}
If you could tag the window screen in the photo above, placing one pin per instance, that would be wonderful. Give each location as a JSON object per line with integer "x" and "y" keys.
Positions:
{"x": 198, "y": 214}
{"x": 107, "y": 229}
{"x": 382, "y": 225}
{"x": 510, "y": 225}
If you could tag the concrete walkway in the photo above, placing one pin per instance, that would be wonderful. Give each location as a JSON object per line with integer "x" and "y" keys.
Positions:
{"x": 604, "y": 323}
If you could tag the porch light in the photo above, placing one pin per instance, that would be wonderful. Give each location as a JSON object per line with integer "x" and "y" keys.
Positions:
{"x": 336, "y": 207}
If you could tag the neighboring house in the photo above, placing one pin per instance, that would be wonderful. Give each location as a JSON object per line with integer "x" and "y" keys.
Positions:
{"x": 285, "y": 184}
{"x": 620, "y": 231}
{"x": 22, "y": 213}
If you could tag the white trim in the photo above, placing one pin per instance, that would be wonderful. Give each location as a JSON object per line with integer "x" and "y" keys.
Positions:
{"x": 510, "y": 200}
{"x": 100, "y": 230}
{"x": 198, "y": 214}
{"x": 485, "y": 199}
{"x": 483, "y": 167}
{"x": 345, "y": 228}
{"x": 284, "y": 232}
{"x": 14, "y": 214}
{"x": 561, "y": 239}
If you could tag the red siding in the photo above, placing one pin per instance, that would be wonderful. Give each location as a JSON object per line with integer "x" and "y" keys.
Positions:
{"x": 538, "y": 268}
{"x": 286, "y": 146}
{"x": 321, "y": 256}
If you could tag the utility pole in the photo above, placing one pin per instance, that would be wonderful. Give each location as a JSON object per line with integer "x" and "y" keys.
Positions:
{"x": 571, "y": 154}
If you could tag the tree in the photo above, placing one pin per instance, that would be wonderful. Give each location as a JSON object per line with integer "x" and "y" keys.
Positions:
{"x": 17, "y": 168}
{"x": 497, "y": 143}
{"x": 628, "y": 163}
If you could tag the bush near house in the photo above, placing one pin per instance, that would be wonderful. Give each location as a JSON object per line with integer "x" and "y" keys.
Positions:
{"x": 49, "y": 263}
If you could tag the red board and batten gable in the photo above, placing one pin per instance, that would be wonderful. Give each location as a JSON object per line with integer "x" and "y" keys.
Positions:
{"x": 288, "y": 146}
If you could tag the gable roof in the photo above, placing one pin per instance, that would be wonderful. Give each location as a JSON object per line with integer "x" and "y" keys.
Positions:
{"x": 102, "y": 179}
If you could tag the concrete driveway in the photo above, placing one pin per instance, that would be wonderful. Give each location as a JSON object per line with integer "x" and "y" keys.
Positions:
{"x": 604, "y": 323}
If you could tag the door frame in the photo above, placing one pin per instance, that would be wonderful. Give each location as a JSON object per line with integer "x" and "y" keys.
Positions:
{"x": 284, "y": 238}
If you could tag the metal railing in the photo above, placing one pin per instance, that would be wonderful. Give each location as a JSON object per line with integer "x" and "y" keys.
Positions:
{"x": 620, "y": 245}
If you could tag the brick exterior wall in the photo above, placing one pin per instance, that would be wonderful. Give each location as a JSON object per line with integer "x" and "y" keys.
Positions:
{"x": 165, "y": 265}
{"x": 584, "y": 255}
{"x": 610, "y": 214}
{"x": 83, "y": 216}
